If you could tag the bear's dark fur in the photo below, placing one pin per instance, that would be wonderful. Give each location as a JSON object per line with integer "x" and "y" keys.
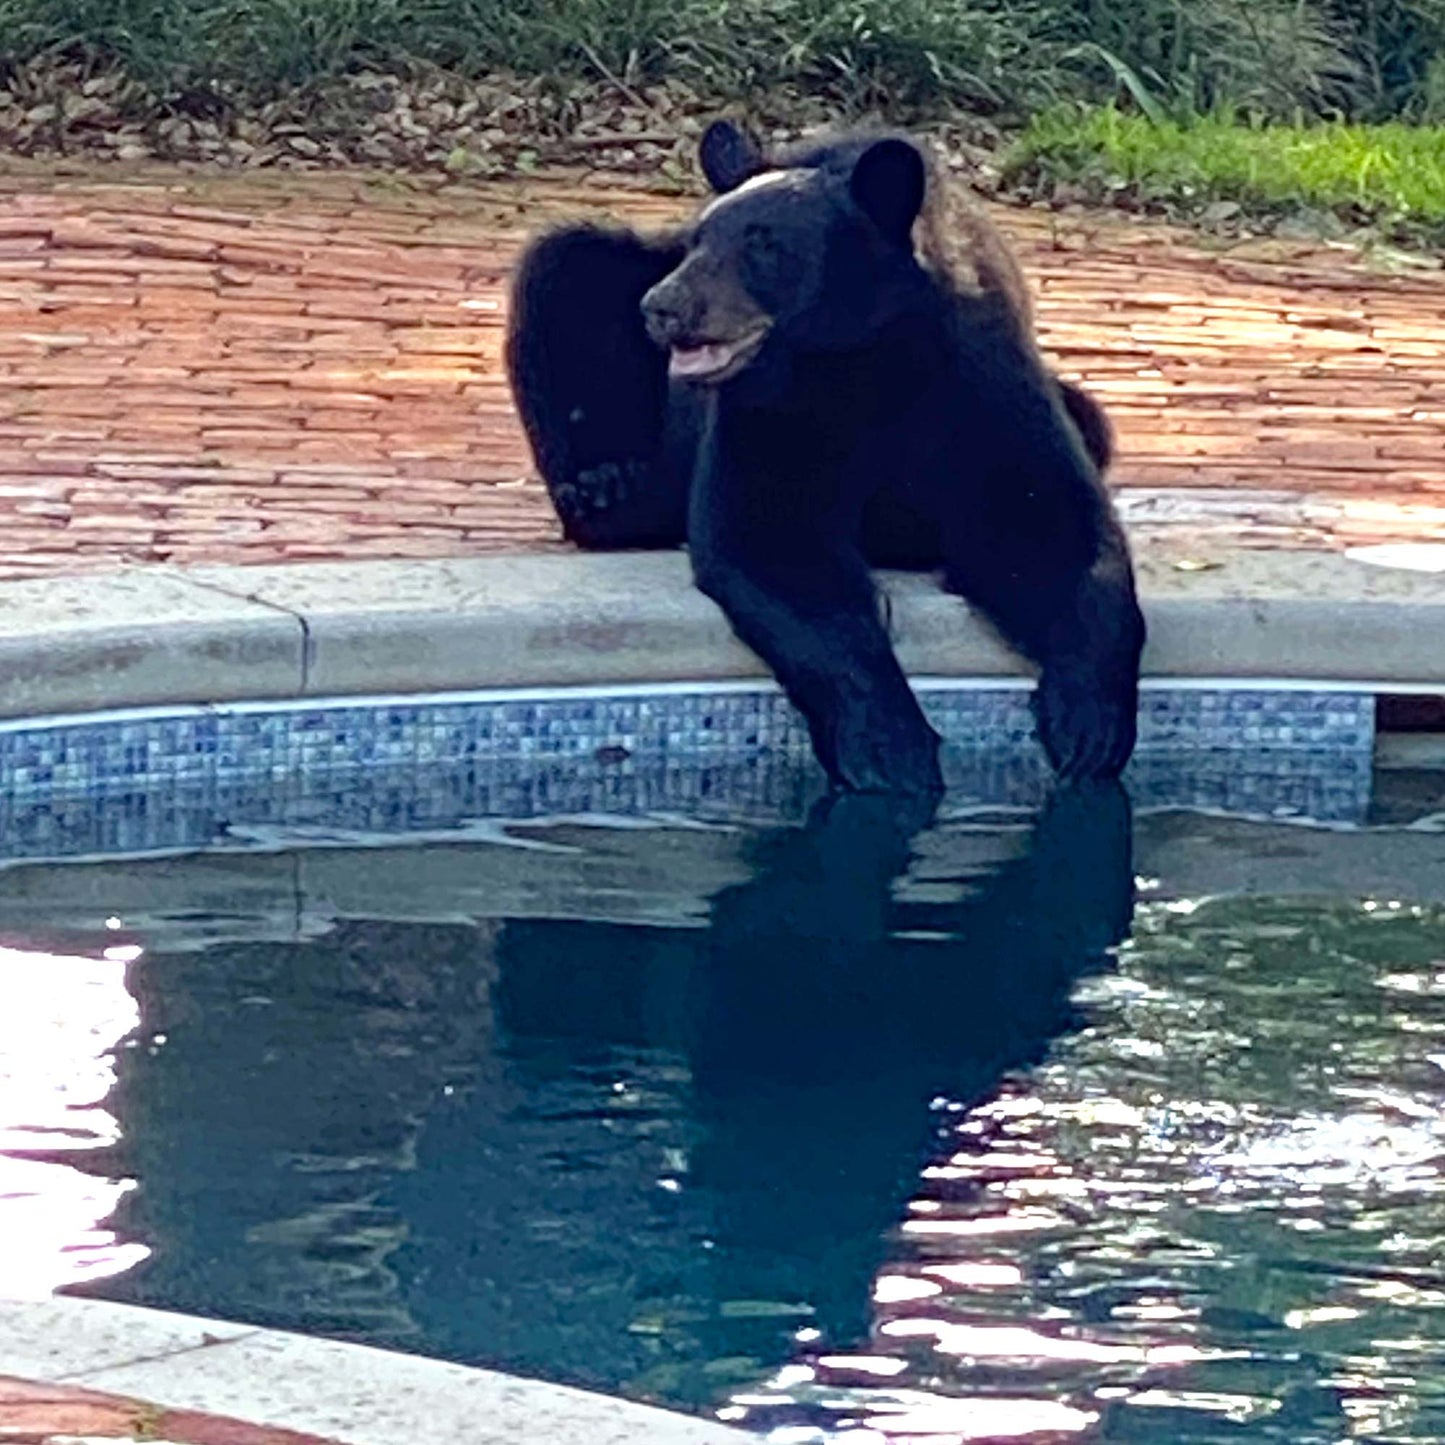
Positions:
{"x": 790, "y": 386}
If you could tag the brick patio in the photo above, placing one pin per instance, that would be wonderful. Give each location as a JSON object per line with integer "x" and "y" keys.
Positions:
{"x": 268, "y": 368}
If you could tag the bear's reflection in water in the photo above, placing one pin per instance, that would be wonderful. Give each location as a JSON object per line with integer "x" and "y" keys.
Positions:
{"x": 819, "y": 1013}
{"x": 635, "y": 1157}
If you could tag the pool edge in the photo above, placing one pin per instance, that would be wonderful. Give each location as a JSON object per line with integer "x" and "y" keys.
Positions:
{"x": 158, "y": 636}
{"x": 355, "y": 1394}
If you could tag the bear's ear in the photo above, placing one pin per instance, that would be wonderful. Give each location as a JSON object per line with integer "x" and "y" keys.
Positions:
{"x": 888, "y": 185}
{"x": 729, "y": 156}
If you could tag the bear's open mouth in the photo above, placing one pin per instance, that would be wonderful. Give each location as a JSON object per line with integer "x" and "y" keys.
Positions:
{"x": 715, "y": 361}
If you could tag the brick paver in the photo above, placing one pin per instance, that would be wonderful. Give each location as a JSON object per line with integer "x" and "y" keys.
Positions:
{"x": 269, "y": 368}
{"x": 43, "y": 1414}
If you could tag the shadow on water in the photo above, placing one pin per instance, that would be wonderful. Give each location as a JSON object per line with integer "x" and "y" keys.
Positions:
{"x": 637, "y": 1157}
{"x": 819, "y": 1014}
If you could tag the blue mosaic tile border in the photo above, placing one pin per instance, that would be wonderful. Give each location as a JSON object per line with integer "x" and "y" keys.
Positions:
{"x": 763, "y": 789}
{"x": 231, "y": 743}
{"x": 219, "y": 777}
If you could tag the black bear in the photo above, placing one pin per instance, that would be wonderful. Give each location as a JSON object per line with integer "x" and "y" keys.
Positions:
{"x": 799, "y": 390}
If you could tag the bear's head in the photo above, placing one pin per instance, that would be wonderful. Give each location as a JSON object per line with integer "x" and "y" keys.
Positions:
{"x": 790, "y": 259}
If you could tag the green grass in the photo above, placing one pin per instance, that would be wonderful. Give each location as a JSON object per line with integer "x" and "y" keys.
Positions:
{"x": 859, "y": 53}
{"x": 1366, "y": 58}
{"x": 1169, "y": 103}
{"x": 1391, "y": 174}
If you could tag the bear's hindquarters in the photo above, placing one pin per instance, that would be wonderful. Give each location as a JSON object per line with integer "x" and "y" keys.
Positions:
{"x": 591, "y": 388}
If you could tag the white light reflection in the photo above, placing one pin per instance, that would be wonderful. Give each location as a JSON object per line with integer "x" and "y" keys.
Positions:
{"x": 978, "y": 1417}
{"x": 1015, "y": 1342}
{"x": 892, "y": 1289}
{"x": 1431, "y": 983}
{"x": 61, "y": 1017}
{"x": 1321, "y": 1315}
{"x": 792, "y": 1375}
{"x": 1405, "y": 556}
{"x": 1237, "y": 1409}
{"x": 977, "y": 1275}
{"x": 884, "y": 1366}
{"x": 1356, "y": 1149}
{"x": 970, "y": 1166}
{"x": 1022, "y": 1221}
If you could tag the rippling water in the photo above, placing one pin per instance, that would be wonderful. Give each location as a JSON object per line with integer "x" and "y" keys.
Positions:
{"x": 846, "y": 1131}
{"x": 1215, "y": 1212}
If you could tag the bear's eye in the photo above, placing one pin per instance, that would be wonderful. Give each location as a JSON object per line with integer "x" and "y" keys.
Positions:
{"x": 770, "y": 269}
{"x": 760, "y": 244}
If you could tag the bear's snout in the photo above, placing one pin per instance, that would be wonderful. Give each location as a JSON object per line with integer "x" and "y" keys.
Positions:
{"x": 705, "y": 341}
{"x": 669, "y": 313}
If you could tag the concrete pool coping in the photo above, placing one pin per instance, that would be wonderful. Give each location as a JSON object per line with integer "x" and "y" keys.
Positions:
{"x": 157, "y": 636}
{"x": 322, "y": 1389}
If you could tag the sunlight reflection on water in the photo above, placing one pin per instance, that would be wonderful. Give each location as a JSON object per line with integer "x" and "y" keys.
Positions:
{"x": 63, "y": 1017}
{"x": 1242, "y": 1155}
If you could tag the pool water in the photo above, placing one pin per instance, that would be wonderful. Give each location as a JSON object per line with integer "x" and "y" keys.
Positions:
{"x": 995, "y": 1127}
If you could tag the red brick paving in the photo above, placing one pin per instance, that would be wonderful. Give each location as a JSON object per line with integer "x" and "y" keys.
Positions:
{"x": 263, "y": 368}
{"x": 38, "y": 1414}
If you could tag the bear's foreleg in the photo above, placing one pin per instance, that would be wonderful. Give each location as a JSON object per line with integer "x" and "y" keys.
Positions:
{"x": 1032, "y": 539}
{"x": 800, "y": 595}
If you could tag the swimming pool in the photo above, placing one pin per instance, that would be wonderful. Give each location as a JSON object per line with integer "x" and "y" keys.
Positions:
{"x": 636, "y": 1068}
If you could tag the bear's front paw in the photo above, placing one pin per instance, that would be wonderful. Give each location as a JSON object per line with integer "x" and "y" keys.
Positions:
{"x": 1087, "y": 729}
{"x": 873, "y": 754}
